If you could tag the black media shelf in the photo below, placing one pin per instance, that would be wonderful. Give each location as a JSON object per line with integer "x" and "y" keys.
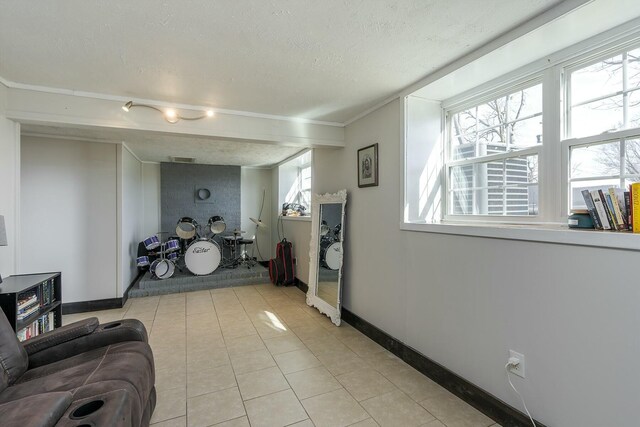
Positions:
{"x": 29, "y": 320}
{"x": 47, "y": 288}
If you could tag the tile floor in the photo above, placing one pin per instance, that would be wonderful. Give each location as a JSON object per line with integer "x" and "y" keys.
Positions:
{"x": 259, "y": 356}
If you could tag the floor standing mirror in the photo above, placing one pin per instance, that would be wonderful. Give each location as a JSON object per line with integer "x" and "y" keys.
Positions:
{"x": 326, "y": 253}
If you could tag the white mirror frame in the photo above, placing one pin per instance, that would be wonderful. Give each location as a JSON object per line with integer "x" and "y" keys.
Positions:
{"x": 312, "y": 299}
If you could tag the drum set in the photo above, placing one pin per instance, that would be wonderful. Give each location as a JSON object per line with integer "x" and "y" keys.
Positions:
{"x": 196, "y": 248}
{"x": 330, "y": 246}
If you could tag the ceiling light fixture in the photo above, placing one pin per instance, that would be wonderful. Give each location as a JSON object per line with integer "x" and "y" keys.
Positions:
{"x": 170, "y": 115}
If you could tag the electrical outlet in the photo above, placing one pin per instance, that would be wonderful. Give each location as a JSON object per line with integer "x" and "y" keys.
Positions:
{"x": 519, "y": 368}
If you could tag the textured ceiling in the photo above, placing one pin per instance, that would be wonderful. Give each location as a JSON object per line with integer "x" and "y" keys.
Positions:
{"x": 159, "y": 147}
{"x": 325, "y": 60}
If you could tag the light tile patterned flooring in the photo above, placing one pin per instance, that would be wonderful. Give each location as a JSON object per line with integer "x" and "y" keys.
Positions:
{"x": 259, "y": 356}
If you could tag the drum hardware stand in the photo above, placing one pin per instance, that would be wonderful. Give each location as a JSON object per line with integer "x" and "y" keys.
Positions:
{"x": 244, "y": 258}
{"x": 234, "y": 260}
{"x": 230, "y": 262}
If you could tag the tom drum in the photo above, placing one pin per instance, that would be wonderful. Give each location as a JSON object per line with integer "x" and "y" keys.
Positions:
{"x": 151, "y": 243}
{"x": 216, "y": 224}
{"x": 171, "y": 246}
{"x": 186, "y": 228}
{"x": 163, "y": 268}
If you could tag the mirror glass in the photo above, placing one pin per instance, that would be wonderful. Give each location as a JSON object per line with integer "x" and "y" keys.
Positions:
{"x": 329, "y": 252}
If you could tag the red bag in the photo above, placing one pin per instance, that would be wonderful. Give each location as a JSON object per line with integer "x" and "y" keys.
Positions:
{"x": 284, "y": 252}
{"x": 276, "y": 271}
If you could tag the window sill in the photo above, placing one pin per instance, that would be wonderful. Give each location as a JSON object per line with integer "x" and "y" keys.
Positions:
{"x": 534, "y": 233}
{"x": 297, "y": 218}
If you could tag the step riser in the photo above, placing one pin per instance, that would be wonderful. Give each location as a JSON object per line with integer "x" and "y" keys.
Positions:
{"x": 189, "y": 287}
{"x": 217, "y": 277}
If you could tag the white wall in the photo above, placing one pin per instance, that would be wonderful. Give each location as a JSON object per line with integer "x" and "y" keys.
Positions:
{"x": 287, "y": 177}
{"x": 68, "y": 215}
{"x": 275, "y": 209}
{"x": 297, "y": 231}
{"x": 131, "y": 212}
{"x": 252, "y": 183}
{"x": 465, "y": 301}
{"x": 374, "y": 247}
{"x": 9, "y": 191}
{"x": 150, "y": 200}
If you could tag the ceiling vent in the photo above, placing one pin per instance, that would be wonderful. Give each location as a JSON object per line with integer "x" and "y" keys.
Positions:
{"x": 183, "y": 159}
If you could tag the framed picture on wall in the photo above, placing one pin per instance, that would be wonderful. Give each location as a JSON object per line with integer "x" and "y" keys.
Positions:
{"x": 368, "y": 166}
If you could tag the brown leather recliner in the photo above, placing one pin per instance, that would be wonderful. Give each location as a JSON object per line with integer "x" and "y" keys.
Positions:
{"x": 82, "y": 374}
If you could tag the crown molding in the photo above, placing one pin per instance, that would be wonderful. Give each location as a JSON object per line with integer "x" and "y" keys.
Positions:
{"x": 126, "y": 147}
{"x": 106, "y": 97}
{"x": 69, "y": 137}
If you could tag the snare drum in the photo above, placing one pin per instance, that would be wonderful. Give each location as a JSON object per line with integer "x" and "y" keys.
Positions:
{"x": 173, "y": 256}
{"x": 171, "y": 246}
{"x": 216, "y": 224}
{"x": 151, "y": 243}
{"x": 330, "y": 254}
{"x": 231, "y": 240}
{"x": 186, "y": 228}
{"x": 202, "y": 257}
{"x": 142, "y": 261}
{"x": 162, "y": 268}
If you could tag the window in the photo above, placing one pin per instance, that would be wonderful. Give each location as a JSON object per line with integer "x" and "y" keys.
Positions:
{"x": 492, "y": 155}
{"x": 520, "y": 148}
{"x": 603, "y": 117}
{"x": 294, "y": 181}
{"x": 304, "y": 192}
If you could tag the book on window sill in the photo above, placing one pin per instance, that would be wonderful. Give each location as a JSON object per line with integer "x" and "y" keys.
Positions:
{"x": 627, "y": 205}
{"x": 588, "y": 201}
{"x": 602, "y": 213}
{"x": 619, "y": 210}
{"x": 634, "y": 191}
{"x": 607, "y": 208}
{"x": 613, "y": 209}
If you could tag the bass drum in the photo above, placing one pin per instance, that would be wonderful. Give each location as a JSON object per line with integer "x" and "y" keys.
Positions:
{"x": 330, "y": 251}
{"x": 202, "y": 257}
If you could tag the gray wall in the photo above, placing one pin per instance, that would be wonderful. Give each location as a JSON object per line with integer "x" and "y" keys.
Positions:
{"x": 177, "y": 194}
{"x": 465, "y": 301}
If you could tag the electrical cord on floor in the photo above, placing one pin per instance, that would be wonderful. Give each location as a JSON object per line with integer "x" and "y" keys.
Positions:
{"x": 506, "y": 367}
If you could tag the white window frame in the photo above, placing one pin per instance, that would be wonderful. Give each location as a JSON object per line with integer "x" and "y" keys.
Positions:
{"x": 449, "y": 109}
{"x": 554, "y": 152}
{"x": 568, "y": 142}
{"x": 554, "y": 165}
{"x": 289, "y": 189}
{"x": 301, "y": 188}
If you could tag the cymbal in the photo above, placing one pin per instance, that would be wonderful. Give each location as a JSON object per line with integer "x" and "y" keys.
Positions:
{"x": 258, "y": 222}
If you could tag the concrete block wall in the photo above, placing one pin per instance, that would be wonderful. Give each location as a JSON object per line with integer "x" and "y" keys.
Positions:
{"x": 178, "y": 184}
